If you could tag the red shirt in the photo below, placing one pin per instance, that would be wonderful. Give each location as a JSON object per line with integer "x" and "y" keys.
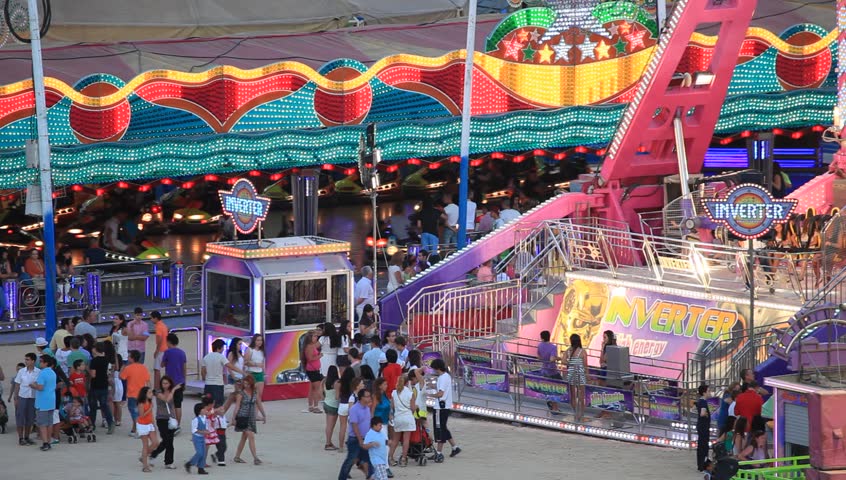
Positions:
{"x": 391, "y": 374}
{"x": 77, "y": 381}
{"x": 748, "y": 404}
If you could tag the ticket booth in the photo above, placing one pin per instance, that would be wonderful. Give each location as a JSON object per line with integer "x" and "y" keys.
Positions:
{"x": 280, "y": 288}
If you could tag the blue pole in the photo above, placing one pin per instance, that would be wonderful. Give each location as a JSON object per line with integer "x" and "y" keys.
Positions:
{"x": 46, "y": 176}
{"x": 464, "y": 171}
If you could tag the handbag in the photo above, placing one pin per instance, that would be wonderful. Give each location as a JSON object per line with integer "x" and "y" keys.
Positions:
{"x": 171, "y": 420}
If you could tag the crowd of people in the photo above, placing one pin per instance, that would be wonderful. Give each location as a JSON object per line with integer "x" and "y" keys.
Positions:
{"x": 374, "y": 391}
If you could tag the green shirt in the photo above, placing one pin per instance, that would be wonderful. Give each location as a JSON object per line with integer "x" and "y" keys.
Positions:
{"x": 74, "y": 356}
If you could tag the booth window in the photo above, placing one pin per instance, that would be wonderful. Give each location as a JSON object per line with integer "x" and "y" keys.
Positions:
{"x": 272, "y": 304}
{"x": 340, "y": 302}
{"x": 228, "y": 300}
{"x": 305, "y": 302}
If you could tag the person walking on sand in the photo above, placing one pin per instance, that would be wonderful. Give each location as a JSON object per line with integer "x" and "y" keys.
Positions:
{"x": 443, "y": 406}
{"x": 165, "y": 406}
{"x": 161, "y": 344}
{"x": 245, "y": 418}
{"x": 199, "y": 429}
{"x": 146, "y": 428}
{"x": 45, "y": 400}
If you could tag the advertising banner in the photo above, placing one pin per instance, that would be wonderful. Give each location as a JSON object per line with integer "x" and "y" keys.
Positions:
{"x": 546, "y": 389}
{"x": 486, "y": 378}
{"x": 610, "y": 399}
{"x": 474, "y": 356}
{"x": 651, "y": 324}
{"x": 665, "y": 408}
{"x": 427, "y": 358}
{"x": 282, "y": 357}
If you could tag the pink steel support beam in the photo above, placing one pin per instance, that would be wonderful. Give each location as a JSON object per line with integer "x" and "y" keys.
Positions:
{"x": 644, "y": 144}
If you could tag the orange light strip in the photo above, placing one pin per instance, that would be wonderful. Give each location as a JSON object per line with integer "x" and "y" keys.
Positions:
{"x": 277, "y": 252}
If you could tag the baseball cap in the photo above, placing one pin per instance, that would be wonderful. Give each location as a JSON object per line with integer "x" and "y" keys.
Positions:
{"x": 40, "y": 342}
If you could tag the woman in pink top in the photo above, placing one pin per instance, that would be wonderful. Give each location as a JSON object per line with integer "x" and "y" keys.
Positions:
{"x": 485, "y": 273}
{"x": 310, "y": 358}
{"x": 138, "y": 332}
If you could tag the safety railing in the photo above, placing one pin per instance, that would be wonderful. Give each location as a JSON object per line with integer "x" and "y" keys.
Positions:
{"x": 787, "y": 468}
{"x": 108, "y": 288}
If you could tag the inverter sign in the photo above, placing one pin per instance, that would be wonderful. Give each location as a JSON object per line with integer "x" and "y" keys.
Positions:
{"x": 749, "y": 211}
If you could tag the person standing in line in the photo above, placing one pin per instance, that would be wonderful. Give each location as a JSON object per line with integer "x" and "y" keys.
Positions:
{"x": 42, "y": 348}
{"x": 254, "y": 362}
{"x": 161, "y": 344}
{"x": 24, "y": 398}
{"x": 138, "y": 331}
{"x": 403, "y": 404}
{"x": 165, "y": 407}
{"x": 310, "y": 361}
{"x": 363, "y": 292}
{"x": 703, "y": 428}
{"x": 212, "y": 372}
{"x": 359, "y": 424}
{"x": 235, "y": 361}
{"x": 443, "y": 407}
{"x": 174, "y": 362}
{"x": 137, "y": 377}
{"x": 375, "y": 443}
{"x": 330, "y": 343}
{"x": 85, "y": 324}
{"x": 45, "y": 400}
{"x": 99, "y": 372}
{"x": 577, "y": 375}
{"x": 331, "y": 385}
{"x": 548, "y": 355}
{"x": 608, "y": 338}
{"x": 119, "y": 335}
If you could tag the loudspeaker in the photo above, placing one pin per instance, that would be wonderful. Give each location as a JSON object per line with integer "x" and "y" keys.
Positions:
{"x": 619, "y": 369}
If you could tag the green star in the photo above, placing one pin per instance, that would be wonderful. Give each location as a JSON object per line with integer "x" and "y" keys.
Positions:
{"x": 528, "y": 53}
{"x": 620, "y": 46}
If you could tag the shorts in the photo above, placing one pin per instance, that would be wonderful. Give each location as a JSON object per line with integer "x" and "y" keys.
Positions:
{"x": 144, "y": 429}
{"x": 56, "y": 418}
{"x": 157, "y": 361}
{"x": 314, "y": 375}
{"x": 330, "y": 410}
{"x": 177, "y": 397}
{"x": 442, "y": 433}
{"x": 258, "y": 376}
{"x": 343, "y": 409}
{"x": 380, "y": 472}
{"x": 25, "y": 412}
{"x": 44, "y": 418}
{"x": 404, "y": 423}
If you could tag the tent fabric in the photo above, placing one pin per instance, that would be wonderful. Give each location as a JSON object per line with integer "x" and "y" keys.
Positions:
{"x": 125, "y": 20}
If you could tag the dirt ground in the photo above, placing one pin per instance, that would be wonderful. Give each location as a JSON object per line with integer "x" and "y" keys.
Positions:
{"x": 291, "y": 446}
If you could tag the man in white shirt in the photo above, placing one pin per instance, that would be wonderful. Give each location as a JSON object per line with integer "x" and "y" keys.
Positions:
{"x": 508, "y": 214}
{"x": 443, "y": 406}
{"x": 448, "y": 237}
{"x": 212, "y": 372}
{"x": 364, "y": 293}
{"x": 25, "y": 399}
{"x": 471, "y": 216}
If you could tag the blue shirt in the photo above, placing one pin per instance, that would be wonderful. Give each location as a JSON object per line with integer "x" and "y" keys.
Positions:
{"x": 359, "y": 416}
{"x": 378, "y": 455}
{"x": 371, "y": 359}
{"x": 383, "y": 409}
{"x": 174, "y": 360}
{"x": 45, "y": 399}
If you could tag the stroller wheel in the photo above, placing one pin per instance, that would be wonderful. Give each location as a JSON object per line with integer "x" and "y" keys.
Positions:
{"x": 422, "y": 461}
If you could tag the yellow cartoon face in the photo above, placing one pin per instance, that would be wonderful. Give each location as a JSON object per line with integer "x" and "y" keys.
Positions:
{"x": 581, "y": 311}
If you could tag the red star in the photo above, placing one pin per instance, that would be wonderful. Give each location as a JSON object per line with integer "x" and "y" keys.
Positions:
{"x": 635, "y": 39}
{"x": 513, "y": 48}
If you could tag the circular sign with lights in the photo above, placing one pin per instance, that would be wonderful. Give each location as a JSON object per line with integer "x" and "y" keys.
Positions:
{"x": 244, "y": 205}
{"x": 749, "y": 211}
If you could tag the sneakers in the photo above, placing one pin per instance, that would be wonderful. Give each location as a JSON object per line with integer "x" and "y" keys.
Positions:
{"x": 170, "y": 466}
{"x": 221, "y": 463}
{"x": 22, "y": 442}
{"x": 188, "y": 467}
{"x": 455, "y": 451}
{"x": 55, "y": 441}
{"x": 45, "y": 447}
{"x": 176, "y": 432}
{"x": 213, "y": 458}
{"x": 390, "y": 473}
{"x": 202, "y": 471}
{"x": 111, "y": 429}
{"x": 28, "y": 441}
{"x": 439, "y": 458}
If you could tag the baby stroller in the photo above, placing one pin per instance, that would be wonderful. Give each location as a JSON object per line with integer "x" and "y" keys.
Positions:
{"x": 75, "y": 426}
{"x": 420, "y": 444}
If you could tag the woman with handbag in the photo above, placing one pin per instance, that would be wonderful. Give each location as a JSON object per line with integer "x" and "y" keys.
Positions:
{"x": 165, "y": 420}
{"x": 245, "y": 418}
{"x": 403, "y": 403}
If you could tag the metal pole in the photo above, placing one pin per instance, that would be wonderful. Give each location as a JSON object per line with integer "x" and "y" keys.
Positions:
{"x": 46, "y": 176}
{"x": 373, "y": 196}
{"x": 464, "y": 171}
{"x": 750, "y": 259}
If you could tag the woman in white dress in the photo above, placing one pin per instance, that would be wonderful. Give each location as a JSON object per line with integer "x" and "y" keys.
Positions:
{"x": 403, "y": 404}
{"x": 330, "y": 342}
{"x": 395, "y": 278}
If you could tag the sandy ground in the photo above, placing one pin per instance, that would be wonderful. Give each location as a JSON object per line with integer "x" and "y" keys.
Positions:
{"x": 291, "y": 446}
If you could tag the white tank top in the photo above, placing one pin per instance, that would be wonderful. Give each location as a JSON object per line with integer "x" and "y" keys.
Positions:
{"x": 256, "y": 356}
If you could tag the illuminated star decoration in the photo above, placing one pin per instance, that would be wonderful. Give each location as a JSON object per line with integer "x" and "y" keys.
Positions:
{"x": 624, "y": 28}
{"x": 523, "y": 35}
{"x": 535, "y": 35}
{"x": 562, "y": 50}
{"x": 587, "y": 47}
{"x": 572, "y": 13}
{"x": 545, "y": 54}
{"x": 635, "y": 39}
{"x": 620, "y": 46}
{"x": 602, "y": 49}
{"x": 613, "y": 29}
{"x": 528, "y": 53}
{"x": 512, "y": 48}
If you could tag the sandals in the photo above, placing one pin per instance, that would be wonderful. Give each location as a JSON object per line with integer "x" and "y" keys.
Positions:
{"x": 330, "y": 447}
{"x": 403, "y": 462}
{"x": 146, "y": 470}
{"x": 238, "y": 460}
{"x": 394, "y": 463}
{"x": 256, "y": 461}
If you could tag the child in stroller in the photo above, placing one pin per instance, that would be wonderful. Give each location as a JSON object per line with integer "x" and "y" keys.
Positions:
{"x": 75, "y": 423}
{"x": 420, "y": 443}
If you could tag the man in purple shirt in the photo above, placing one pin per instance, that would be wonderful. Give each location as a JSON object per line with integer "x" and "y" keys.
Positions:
{"x": 548, "y": 354}
{"x": 359, "y": 424}
{"x": 174, "y": 362}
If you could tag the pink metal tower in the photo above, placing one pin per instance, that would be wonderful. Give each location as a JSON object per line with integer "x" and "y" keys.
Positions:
{"x": 649, "y": 135}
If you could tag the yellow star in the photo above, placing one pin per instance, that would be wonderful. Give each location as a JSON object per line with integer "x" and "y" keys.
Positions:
{"x": 602, "y": 50}
{"x": 546, "y": 54}
{"x": 523, "y": 35}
